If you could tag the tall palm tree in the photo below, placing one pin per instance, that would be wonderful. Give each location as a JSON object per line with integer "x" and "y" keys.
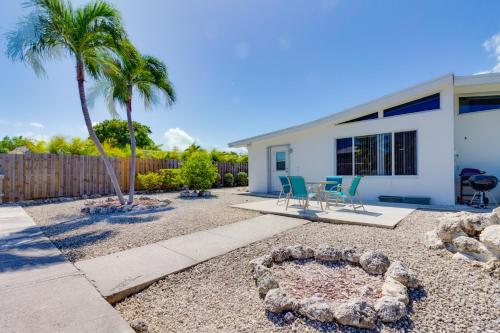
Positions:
{"x": 54, "y": 27}
{"x": 133, "y": 73}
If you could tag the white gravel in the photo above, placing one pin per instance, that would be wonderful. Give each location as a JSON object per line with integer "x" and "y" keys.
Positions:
{"x": 80, "y": 236}
{"x": 220, "y": 296}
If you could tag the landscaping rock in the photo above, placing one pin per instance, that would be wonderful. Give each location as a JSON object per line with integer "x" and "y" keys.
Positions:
{"x": 327, "y": 253}
{"x": 432, "y": 241}
{"x": 400, "y": 273}
{"x": 473, "y": 224}
{"x": 265, "y": 260}
{"x": 450, "y": 227}
{"x": 300, "y": 252}
{"x": 390, "y": 309}
{"x": 492, "y": 267}
{"x": 206, "y": 194}
{"x": 259, "y": 271}
{"x": 280, "y": 254}
{"x": 473, "y": 248}
{"x": 374, "y": 262}
{"x": 396, "y": 290}
{"x": 316, "y": 308}
{"x": 139, "y": 325}
{"x": 349, "y": 254}
{"x": 491, "y": 239}
{"x": 265, "y": 283}
{"x": 278, "y": 301}
{"x": 357, "y": 313}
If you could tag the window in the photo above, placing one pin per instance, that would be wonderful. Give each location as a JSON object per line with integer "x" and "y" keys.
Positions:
{"x": 478, "y": 103}
{"x": 423, "y": 104}
{"x": 367, "y": 117}
{"x": 280, "y": 161}
{"x": 405, "y": 153}
{"x": 344, "y": 157}
{"x": 372, "y": 155}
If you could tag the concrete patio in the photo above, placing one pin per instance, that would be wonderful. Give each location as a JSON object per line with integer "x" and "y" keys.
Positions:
{"x": 376, "y": 215}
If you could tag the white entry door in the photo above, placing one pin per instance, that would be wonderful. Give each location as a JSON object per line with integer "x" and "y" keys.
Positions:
{"x": 279, "y": 166}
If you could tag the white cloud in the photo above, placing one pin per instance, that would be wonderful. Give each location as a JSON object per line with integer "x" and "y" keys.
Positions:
{"x": 242, "y": 50}
{"x": 284, "y": 43}
{"x": 177, "y": 138}
{"x": 36, "y": 137}
{"x": 37, "y": 125}
{"x": 492, "y": 46}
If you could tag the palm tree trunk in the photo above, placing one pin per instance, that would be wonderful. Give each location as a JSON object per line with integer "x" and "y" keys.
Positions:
{"x": 132, "y": 148}
{"x": 80, "y": 76}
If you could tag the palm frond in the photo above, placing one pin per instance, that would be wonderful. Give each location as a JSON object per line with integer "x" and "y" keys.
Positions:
{"x": 103, "y": 88}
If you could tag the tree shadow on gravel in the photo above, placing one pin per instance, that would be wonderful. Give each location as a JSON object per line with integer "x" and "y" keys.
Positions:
{"x": 211, "y": 197}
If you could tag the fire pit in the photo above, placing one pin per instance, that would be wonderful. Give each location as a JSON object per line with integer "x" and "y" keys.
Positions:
{"x": 328, "y": 284}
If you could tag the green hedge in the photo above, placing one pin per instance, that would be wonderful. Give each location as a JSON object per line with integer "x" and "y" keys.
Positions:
{"x": 241, "y": 179}
{"x": 165, "y": 179}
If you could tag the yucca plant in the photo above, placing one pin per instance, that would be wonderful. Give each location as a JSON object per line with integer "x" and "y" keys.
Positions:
{"x": 128, "y": 75}
{"x": 54, "y": 28}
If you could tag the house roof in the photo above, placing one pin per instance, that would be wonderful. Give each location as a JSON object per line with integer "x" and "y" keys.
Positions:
{"x": 368, "y": 107}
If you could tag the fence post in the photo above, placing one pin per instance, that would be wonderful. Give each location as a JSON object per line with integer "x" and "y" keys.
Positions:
{"x": 1, "y": 188}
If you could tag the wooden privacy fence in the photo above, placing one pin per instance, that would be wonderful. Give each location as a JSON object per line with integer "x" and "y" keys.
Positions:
{"x": 41, "y": 176}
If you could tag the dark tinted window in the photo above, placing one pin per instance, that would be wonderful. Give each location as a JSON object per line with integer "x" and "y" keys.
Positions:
{"x": 344, "y": 157}
{"x": 367, "y": 117}
{"x": 372, "y": 155}
{"x": 423, "y": 104}
{"x": 478, "y": 103}
{"x": 405, "y": 153}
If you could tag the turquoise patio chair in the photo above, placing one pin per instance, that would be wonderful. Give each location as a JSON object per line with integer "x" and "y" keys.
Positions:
{"x": 351, "y": 195}
{"x": 286, "y": 189}
{"x": 331, "y": 188}
{"x": 299, "y": 191}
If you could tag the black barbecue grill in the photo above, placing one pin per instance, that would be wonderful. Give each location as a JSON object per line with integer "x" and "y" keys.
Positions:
{"x": 480, "y": 183}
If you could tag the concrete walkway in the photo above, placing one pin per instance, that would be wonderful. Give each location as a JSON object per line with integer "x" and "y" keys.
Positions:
{"x": 120, "y": 274}
{"x": 40, "y": 291}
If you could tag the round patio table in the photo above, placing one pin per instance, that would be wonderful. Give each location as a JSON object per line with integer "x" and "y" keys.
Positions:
{"x": 319, "y": 190}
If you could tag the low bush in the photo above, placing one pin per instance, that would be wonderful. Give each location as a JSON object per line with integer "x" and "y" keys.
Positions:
{"x": 149, "y": 181}
{"x": 228, "y": 180}
{"x": 170, "y": 179}
{"x": 216, "y": 181}
{"x": 198, "y": 172}
{"x": 241, "y": 179}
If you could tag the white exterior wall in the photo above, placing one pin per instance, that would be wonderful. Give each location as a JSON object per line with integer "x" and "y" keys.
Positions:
{"x": 477, "y": 136}
{"x": 313, "y": 149}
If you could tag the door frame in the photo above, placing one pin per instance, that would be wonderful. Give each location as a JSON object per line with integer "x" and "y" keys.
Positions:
{"x": 269, "y": 166}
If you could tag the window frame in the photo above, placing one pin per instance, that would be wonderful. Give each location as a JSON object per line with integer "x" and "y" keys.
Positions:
{"x": 472, "y": 95}
{"x": 393, "y": 159}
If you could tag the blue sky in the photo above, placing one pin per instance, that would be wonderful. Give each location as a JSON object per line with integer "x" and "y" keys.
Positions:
{"x": 242, "y": 68}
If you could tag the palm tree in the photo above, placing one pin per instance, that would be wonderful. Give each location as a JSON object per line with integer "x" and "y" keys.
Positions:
{"x": 126, "y": 75}
{"x": 54, "y": 27}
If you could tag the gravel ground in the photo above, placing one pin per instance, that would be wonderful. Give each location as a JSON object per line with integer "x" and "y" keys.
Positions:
{"x": 80, "y": 236}
{"x": 219, "y": 295}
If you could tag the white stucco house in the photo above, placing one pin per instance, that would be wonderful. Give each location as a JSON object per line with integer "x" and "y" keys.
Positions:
{"x": 413, "y": 142}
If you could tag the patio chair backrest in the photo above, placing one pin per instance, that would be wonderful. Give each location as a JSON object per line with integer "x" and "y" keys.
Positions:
{"x": 299, "y": 188}
{"x": 354, "y": 185}
{"x": 333, "y": 187}
{"x": 285, "y": 183}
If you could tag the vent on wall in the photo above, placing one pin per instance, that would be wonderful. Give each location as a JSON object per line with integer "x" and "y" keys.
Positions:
{"x": 367, "y": 117}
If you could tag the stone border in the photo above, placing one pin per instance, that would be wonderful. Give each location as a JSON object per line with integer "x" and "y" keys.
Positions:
{"x": 108, "y": 206}
{"x": 356, "y": 312}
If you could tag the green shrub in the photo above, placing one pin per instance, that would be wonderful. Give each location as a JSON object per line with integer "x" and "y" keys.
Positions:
{"x": 241, "y": 179}
{"x": 216, "y": 181}
{"x": 170, "y": 179}
{"x": 228, "y": 180}
{"x": 149, "y": 181}
{"x": 198, "y": 171}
